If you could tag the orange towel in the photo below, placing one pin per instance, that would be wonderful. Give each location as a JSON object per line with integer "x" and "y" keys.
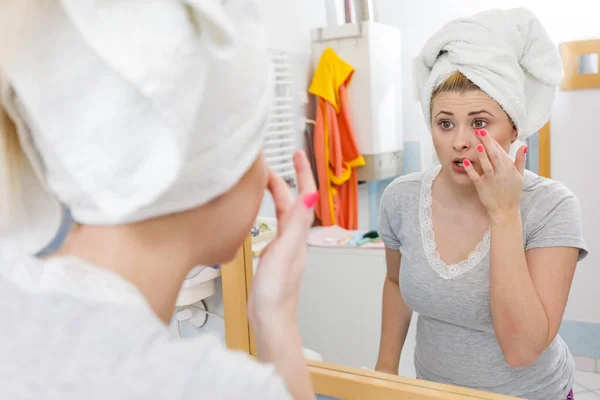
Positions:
{"x": 336, "y": 153}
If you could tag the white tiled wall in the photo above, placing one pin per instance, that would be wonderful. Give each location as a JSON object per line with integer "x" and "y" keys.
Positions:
{"x": 587, "y": 386}
{"x": 588, "y": 364}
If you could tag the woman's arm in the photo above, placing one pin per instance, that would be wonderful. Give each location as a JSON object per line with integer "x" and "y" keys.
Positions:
{"x": 273, "y": 303}
{"x": 528, "y": 290}
{"x": 279, "y": 343}
{"x": 395, "y": 319}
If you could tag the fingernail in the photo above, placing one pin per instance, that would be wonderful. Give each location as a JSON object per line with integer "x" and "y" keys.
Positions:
{"x": 480, "y": 148}
{"x": 525, "y": 149}
{"x": 482, "y": 132}
{"x": 466, "y": 163}
{"x": 477, "y": 132}
{"x": 311, "y": 199}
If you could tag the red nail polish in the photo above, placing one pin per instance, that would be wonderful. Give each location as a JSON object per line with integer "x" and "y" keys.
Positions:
{"x": 525, "y": 149}
{"x": 482, "y": 132}
{"x": 466, "y": 163}
{"x": 480, "y": 148}
{"x": 311, "y": 199}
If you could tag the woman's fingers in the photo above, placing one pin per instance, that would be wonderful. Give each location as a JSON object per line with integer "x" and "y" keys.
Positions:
{"x": 282, "y": 197}
{"x": 484, "y": 160}
{"x": 494, "y": 154}
{"x": 306, "y": 180}
{"x": 295, "y": 214}
{"x": 520, "y": 159}
{"x": 302, "y": 213}
{"x": 473, "y": 175}
{"x": 307, "y": 189}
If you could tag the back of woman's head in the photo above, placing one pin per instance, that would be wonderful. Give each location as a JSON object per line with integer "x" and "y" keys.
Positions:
{"x": 125, "y": 125}
{"x": 10, "y": 160}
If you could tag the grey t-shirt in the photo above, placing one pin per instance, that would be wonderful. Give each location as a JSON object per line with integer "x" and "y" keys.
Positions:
{"x": 70, "y": 330}
{"x": 456, "y": 343}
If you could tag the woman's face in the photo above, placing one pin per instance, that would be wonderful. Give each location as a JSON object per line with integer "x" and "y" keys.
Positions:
{"x": 455, "y": 117}
{"x": 224, "y": 223}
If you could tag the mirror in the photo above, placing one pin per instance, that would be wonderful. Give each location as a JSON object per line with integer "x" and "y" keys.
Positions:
{"x": 340, "y": 311}
{"x": 588, "y": 64}
{"x": 581, "y": 64}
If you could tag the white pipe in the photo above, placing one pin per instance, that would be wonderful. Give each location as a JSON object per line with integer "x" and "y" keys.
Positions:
{"x": 364, "y": 10}
{"x": 367, "y": 10}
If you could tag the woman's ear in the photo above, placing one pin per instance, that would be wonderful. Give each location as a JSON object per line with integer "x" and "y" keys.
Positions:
{"x": 514, "y": 134}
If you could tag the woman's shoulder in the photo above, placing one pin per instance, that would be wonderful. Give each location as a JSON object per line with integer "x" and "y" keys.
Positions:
{"x": 406, "y": 184}
{"x": 552, "y": 215}
{"x": 536, "y": 188}
{"x": 403, "y": 192}
{"x": 546, "y": 199}
{"x": 67, "y": 331}
{"x": 66, "y": 276}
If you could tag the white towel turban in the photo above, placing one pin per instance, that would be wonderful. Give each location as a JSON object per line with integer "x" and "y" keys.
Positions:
{"x": 129, "y": 110}
{"x": 507, "y": 53}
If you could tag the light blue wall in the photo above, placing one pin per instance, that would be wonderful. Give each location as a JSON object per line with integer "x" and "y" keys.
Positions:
{"x": 583, "y": 338}
{"x": 411, "y": 163}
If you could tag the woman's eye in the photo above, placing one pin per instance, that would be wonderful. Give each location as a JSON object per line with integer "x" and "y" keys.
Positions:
{"x": 446, "y": 124}
{"x": 479, "y": 123}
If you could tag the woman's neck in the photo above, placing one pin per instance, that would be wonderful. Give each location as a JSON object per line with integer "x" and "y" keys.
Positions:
{"x": 147, "y": 255}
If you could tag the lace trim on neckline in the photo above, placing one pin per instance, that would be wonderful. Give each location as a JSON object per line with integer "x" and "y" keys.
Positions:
{"x": 444, "y": 270}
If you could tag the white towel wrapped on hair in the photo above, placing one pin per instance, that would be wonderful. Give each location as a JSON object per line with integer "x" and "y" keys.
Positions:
{"x": 130, "y": 110}
{"x": 507, "y": 53}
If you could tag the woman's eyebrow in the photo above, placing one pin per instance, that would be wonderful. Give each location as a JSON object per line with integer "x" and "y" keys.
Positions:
{"x": 480, "y": 112}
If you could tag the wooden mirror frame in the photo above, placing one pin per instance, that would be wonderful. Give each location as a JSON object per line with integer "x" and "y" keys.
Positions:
{"x": 570, "y": 53}
{"x": 544, "y": 151}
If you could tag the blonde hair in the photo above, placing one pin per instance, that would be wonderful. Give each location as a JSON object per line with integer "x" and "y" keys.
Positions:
{"x": 456, "y": 82}
{"x": 14, "y": 19}
{"x": 11, "y": 162}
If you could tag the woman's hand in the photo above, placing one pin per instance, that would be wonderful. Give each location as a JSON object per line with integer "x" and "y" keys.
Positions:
{"x": 276, "y": 283}
{"x": 273, "y": 304}
{"x": 500, "y": 185}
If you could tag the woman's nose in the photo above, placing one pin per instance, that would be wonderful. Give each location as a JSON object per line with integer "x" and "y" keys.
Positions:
{"x": 463, "y": 139}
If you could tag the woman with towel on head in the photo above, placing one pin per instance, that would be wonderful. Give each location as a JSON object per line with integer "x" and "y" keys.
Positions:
{"x": 483, "y": 250}
{"x": 151, "y": 135}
